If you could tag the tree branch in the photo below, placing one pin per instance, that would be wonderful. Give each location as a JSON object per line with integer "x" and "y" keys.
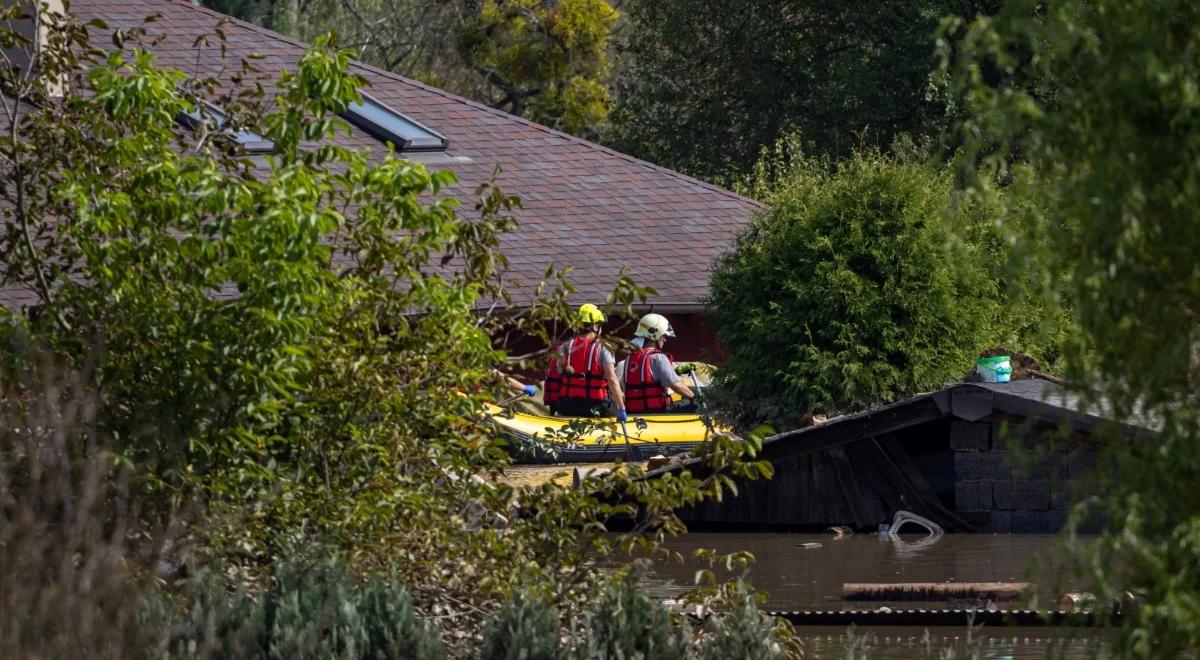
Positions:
{"x": 21, "y": 211}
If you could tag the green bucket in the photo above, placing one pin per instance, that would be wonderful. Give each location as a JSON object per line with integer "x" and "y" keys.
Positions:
{"x": 995, "y": 369}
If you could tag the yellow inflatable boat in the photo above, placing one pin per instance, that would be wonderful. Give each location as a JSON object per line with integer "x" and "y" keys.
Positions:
{"x": 538, "y": 438}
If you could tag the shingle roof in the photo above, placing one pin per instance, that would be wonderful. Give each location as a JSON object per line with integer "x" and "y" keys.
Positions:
{"x": 1033, "y": 399}
{"x": 584, "y": 205}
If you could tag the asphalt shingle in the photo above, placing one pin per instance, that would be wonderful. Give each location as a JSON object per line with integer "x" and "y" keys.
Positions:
{"x": 583, "y": 203}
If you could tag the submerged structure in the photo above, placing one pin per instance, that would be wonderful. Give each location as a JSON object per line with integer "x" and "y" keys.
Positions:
{"x": 986, "y": 457}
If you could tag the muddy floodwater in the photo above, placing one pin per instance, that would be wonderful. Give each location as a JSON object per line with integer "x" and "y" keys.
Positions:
{"x": 806, "y": 572}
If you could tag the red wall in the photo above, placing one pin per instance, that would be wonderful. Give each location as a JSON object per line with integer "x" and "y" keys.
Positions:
{"x": 694, "y": 341}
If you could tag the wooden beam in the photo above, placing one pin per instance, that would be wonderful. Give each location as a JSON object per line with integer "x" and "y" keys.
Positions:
{"x": 881, "y": 497}
{"x": 935, "y": 591}
{"x": 912, "y": 473}
{"x": 792, "y": 445}
{"x": 851, "y": 489}
{"x": 893, "y": 474}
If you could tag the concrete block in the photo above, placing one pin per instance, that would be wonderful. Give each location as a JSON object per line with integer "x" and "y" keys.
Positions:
{"x": 1002, "y": 495}
{"x": 1017, "y": 436}
{"x": 972, "y": 495}
{"x": 970, "y": 435}
{"x": 1068, "y": 492}
{"x": 1063, "y": 495}
{"x": 1040, "y": 464}
{"x": 1081, "y": 465}
{"x": 976, "y": 519}
{"x": 1093, "y": 523}
{"x": 1000, "y": 523}
{"x": 973, "y": 466}
{"x": 1038, "y": 522}
{"x": 1030, "y": 494}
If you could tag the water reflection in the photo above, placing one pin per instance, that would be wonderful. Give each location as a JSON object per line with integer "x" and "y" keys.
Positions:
{"x": 806, "y": 572}
{"x": 886, "y": 643}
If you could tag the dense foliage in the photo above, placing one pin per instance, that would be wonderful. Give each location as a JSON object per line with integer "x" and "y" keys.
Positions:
{"x": 543, "y": 59}
{"x": 274, "y": 349}
{"x": 314, "y": 608}
{"x": 704, "y": 86}
{"x": 1115, "y": 149}
{"x": 851, "y": 291}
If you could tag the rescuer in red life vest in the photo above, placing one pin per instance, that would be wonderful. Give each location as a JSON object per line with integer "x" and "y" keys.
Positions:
{"x": 552, "y": 382}
{"x": 588, "y": 385}
{"x": 649, "y": 373}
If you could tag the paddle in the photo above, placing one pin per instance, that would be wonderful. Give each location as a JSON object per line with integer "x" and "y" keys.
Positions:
{"x": 631, "y": 451}
{"x": 703, "y": 407}
{"x": 504, "y": 405}
{"x": 509, "y": 401}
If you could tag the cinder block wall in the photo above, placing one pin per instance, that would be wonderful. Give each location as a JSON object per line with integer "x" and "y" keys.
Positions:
{"x": 1017, "y": 479}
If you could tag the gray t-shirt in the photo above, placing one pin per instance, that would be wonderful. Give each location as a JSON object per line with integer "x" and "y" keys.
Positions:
{"x": 660, "y": 368}
{"x": 606, "y": 356}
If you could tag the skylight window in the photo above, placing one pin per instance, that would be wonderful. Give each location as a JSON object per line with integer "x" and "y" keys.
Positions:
{"x": 383, "y": 123}
{"x": 249, "y": 140}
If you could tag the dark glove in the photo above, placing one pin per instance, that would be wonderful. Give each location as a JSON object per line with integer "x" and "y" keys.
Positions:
{"x": 622, "y": 416}
{"x": 531, "y": 390}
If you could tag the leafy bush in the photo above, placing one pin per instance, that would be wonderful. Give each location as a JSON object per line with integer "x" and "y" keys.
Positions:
{"x": 741, "y": 632}
{"x": 851, "y": 291}
{"x": 1096, "y": 102}
{"x": 316, "y": 609}
{"x": 311, "y": 609}
{"x": 72, "y": 550}
{"x": 289, "y": 346}
{"x": 525, "y": 629}
{"x": 624, "y": 623}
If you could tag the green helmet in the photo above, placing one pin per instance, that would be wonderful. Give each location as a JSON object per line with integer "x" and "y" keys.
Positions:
{"x": 590, "y": 314}
{"x": 653, "y": 326}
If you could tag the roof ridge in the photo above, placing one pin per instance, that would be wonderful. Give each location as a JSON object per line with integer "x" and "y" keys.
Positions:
{"x": 480, "y": 106}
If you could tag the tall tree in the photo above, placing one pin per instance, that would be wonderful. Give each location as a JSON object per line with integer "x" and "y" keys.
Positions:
{"x": 288, "y": 338}
{"x": 704, "y": 86}
{"x": 542, "y": 59}
{"x": 1115, "y": 157}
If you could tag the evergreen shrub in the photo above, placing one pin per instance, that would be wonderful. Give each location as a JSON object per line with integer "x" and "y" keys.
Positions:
{"x": 741, "y": 632}
{"x": 858, "y": 285}
{"x": 526, "y": 628}
{"x": 625, "y": 623}
{"x": 310, "y": 610}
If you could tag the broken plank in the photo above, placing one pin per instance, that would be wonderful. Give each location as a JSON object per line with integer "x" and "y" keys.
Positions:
{"x": 892, "y": 447}
{"x": 908, "y": 494}
{"x": 851, "y": 489}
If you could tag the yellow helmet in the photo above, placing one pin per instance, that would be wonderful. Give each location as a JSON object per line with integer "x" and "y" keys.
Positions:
{"x": 590, "y": 314}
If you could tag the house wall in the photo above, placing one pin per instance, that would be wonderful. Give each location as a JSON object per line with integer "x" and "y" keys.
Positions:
{"x": 996, "y": 475}
{"x": 694, "y": 340}
{"x": 1011, "y": 478}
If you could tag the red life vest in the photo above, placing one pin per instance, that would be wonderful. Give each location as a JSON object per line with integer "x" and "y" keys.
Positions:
{"x": 587, "y": 378}
{"x": 552, "y": 382}
{"x": 642, "y": 391}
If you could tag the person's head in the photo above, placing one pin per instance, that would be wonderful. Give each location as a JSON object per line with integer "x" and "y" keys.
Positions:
{"x": 654, "y": 328}
{"x": 589, "y": 318}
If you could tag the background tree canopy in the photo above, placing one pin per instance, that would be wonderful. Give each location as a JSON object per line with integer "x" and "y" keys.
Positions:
{"x": 704, "y": 86}
{"x": 542, "y": 59}
{"x": 852, "y": 290}
{"x": 288, "y": 346}
{"x": 1109, "y": 222}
